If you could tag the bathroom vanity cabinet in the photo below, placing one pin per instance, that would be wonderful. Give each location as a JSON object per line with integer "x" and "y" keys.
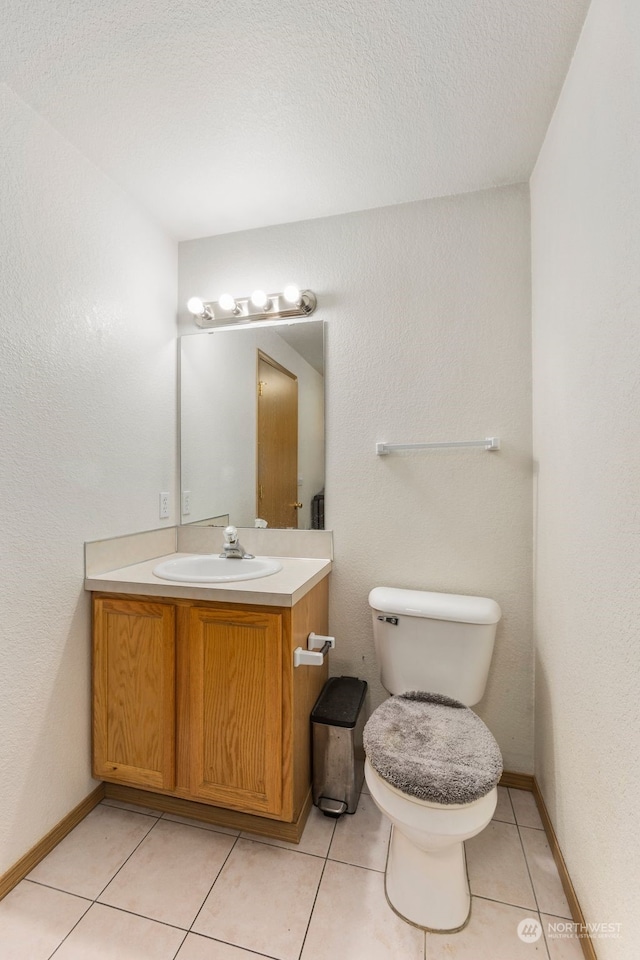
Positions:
{"x": 199, "y": 701}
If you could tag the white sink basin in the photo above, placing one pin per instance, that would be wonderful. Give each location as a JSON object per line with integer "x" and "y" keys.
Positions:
{"x": 210, "y": 568}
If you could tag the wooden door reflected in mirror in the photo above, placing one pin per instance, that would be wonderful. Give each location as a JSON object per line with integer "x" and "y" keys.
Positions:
{"x": 277, "y": 438}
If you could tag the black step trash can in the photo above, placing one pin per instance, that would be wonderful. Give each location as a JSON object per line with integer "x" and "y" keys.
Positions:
{"x": 338, "y": 757}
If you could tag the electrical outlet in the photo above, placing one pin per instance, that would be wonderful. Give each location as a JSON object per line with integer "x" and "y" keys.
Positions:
{"x": 164, "y": 506}
{"x": 186, "y": 503}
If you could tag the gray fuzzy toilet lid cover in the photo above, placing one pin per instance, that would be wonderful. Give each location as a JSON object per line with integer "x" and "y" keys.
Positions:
{"x": 433, "y": 748}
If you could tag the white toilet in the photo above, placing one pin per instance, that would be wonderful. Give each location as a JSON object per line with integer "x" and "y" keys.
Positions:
{"x": 432, "y": 765}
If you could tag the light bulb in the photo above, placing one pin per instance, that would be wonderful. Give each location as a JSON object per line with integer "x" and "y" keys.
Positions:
{"x": 195, "y": 306}
{"x": 260, "y": 299}
{"x": 227, "y": 302}
{"x": 292, "y": 294}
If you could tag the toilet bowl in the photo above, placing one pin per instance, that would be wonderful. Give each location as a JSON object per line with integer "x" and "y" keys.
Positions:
{"x": 432, "y": 765}
{"x": 425, "y": 878}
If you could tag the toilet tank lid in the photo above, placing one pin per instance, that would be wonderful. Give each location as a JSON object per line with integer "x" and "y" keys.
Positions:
{"x": 436, "y": 606}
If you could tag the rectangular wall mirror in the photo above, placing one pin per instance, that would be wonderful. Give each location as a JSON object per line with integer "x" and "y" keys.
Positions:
{"x": 252, "y": 426}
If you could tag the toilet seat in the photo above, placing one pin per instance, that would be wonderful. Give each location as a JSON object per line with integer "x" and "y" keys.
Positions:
{"x": 433, "y": 748}
{"x": 442, "y": 823}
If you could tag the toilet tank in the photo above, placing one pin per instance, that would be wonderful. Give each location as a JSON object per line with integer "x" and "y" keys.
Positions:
{"x": 437, "y": 642}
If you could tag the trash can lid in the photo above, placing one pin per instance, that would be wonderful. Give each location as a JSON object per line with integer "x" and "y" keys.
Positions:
{"x": 340, "y": 702}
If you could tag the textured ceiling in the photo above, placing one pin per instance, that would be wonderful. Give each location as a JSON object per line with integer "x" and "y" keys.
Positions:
{"x": 220, "y": 115}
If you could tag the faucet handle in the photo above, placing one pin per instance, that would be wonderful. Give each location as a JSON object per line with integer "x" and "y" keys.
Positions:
{"x": 230, "y": 534}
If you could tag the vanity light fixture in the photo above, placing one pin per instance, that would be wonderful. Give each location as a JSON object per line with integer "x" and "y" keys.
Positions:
{"x": 261, "y": 300}
{"x": 227, "y": 302}
{"x": 301, "y": 299}
{"x": 292, "y": 294}
{"x": 291, "y": 305}
{"x": 201, "y": 311}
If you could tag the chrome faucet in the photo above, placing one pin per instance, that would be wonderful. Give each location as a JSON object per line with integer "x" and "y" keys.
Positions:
{"x": 233, "y": 549}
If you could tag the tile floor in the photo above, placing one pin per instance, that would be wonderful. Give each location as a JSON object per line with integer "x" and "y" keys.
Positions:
{"x": 132, "y": 884}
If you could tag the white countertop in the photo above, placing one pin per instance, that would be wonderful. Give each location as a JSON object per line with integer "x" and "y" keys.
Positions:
{"x": 283, "y": 589}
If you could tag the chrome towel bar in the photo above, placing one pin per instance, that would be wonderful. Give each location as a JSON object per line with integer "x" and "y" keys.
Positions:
{"x": 489, "y": 443}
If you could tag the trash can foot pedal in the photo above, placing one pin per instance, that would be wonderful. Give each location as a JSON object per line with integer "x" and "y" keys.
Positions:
{"x": 331, "y": 808}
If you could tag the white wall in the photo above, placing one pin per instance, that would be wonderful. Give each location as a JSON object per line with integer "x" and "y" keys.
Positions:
{"x": 427, "y": 310}
{"x": 218, "y": 414}
{"x": 586, "y": 296}
{"x": 87, "y": 394}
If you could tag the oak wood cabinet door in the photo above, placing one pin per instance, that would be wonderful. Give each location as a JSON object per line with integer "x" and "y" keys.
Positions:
{"x": 134, "y": 692}
{"x": 236, "y": 712}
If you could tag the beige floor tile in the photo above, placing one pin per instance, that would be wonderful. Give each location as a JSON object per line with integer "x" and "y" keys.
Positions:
{"x": 170, "y": 874}
{"x": 362, "y": 838}
{"x": 134, "y": 807}
{"x": 504, "y": 810}
{"x": 262, "y": 899}
{"x": 491, "y": 934}
{"x": 526, "y": 809}
{"x": 353, "y": 921}
{"x": 108, "y": 934}
{"x": 497, "y": 867}
{"x": 196, "y": 947}
{"x": 562, "y": 943}
{"x": 176, "y": 818}
{"x": 34, "y": 920}
{"x": 544, "y": 873}
{"x": 315, "y": 838}
{"x": 87, "y": 859}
